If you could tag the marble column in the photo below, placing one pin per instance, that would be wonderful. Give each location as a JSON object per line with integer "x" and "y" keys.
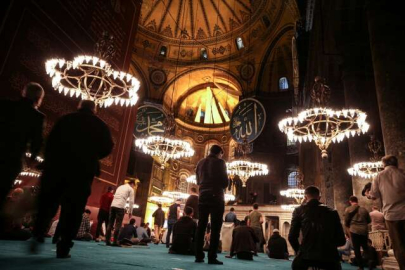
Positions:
{"x": 387, "y": 42}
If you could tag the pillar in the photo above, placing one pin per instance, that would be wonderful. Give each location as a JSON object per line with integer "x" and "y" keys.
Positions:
{"x": 387, "y": 42}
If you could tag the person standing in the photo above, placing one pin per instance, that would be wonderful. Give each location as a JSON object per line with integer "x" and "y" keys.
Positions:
{"x": 74, "y": 147}
{"x": 192, "y": 201}
{"x": 174, "y": 215}
{"x": 21, "y": 126}
{"x": 322, "y": 234}
{"x": 159, "y": 216}
{"x": 104, "y": 211}
{"x": 377, "y": 219}
{"x": 389, "y": 186}
{"x": 231, "y": 216}
{"x": 124, "y": 193}
{"x": 212, "y": 179}
{"x": 357, "y": 219}
{"x": 255, "y": 221}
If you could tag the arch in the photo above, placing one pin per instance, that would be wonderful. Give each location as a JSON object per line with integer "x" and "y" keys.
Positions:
{"x": 286, "y": 229}
{"x": 283, "y": 84}
{"x": 292, "y": 179}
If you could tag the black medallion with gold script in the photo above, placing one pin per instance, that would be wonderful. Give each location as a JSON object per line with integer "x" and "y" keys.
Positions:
{"x": 149, "y": 121}
{"x": 248, "y": 120}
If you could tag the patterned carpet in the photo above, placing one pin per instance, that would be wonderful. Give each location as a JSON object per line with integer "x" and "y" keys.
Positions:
{"x": 90, "y": 255}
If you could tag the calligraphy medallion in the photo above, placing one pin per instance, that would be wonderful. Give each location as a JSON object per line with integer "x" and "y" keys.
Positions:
{"x": 149, "y": 121}
{"x": 248, "y": 120}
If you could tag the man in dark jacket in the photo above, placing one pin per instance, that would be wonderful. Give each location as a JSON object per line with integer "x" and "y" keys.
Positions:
{"x": 277, "y": 246}
{"x": 192, "y": 201}
{"x": 244, "y": 242}
{"x": 322, "y": 234}
{"x": 184, "y": 234}
{"x": 75, "y": 145}
{"x": 128, "y": 235}
{"x": 172, "y": 217}
{"x": 159, "y": 221}
{"x": 212, "y": 179}
{"x": 21, "y": 125}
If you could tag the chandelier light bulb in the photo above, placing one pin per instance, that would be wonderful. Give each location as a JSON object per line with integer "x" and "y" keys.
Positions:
{"x": 367, "y": 170}
{"x": 246, "y": 169}
{"x": 192, "y": 179}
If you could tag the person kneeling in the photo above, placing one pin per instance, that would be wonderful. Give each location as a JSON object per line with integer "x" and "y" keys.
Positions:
{"x": 184, "y": 231}
{"x": 244, "y": 242}
{"x": 128, "y": 235}
{"x": 277, "y": 246}
{"x": 84, "y": 231}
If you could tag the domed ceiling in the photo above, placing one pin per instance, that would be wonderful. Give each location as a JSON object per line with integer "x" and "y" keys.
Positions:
{"x": 197, "y": 20}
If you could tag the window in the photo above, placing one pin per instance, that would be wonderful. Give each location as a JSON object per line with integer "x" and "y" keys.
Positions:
{"x": 163, "y": 51}
{"x": 239, "y": 43}
{"x": 283, "y": 83}
{"x": 204, "y": 54}
{"x": 292, "y": 179}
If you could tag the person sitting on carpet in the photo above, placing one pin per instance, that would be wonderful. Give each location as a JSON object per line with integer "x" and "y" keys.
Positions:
{"x": 84, "y": 231}
{"x": 346, "y": 249}
{"x": 184, "y": 231}
{"x": 128, "y": 235}
{"x": 143, "y": 235}
{"x": 244, "y": 242}
{"x": 277, "y": 246}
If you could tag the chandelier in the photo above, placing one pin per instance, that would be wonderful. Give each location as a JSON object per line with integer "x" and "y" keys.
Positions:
{"x": 93, "y": 78}
{"x": 192, "y": 179}
{"x": 161, "y": 199}
{"x": 164, "y": 148}
{"x": 289, "y": 207}
{"x": 369, "y": 170}
{"x": 298, "y": 193}
{"x": 322, "y": 124}
{"x": 30, "y": 173}
{"x": 229, "y": 197}
{"x": 176, "y": 195}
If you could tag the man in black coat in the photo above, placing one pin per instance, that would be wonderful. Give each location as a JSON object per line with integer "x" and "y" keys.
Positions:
{"x": 75, "y": 145}
{"x": 244, "y": 242}
{"x": 184, "y": 234}
{"x": 322, "y": 234}
{"x": 21, "y": 125}
{"x": 212, "y": 180}
{"x": 277, "y": 246}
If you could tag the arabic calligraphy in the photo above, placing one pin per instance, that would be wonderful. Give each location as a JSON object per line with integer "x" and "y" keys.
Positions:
{"x": 149, "y": 121}
{"x": 248, "y": 119}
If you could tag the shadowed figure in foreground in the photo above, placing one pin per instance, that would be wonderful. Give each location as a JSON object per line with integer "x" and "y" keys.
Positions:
{"x": 21, "y": 126}
{"x": 75, "y": 145}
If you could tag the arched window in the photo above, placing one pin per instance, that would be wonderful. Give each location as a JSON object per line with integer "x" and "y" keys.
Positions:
{"x": 204, "y": 54}
{"x": 183, "y": 183}
{"x": 292, "y": 179}
{"x": 163, "y": 51}
{"x": 239, "y": 43}
{"x": 283, "y": 83}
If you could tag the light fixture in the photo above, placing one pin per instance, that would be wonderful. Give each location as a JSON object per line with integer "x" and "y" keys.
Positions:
{"x": 161, "y": 199}
{"x": 370, "y": 169}
{"x": 92, "y": 78}
{"x": 30, "y": 173}
{"x": 229, "y": 197}
{"x": 164, "y": 148}
{"x": 297, "y": 193}
{"x": 192, "y": 179}
{"x": 37, "y": 158}
{"x": 289, "y": 207}
{"x": 322, "y": 124}
{"x": 17, "y": 182}
{"x": 246, "y": 169}
{"x": 176, "y": 195}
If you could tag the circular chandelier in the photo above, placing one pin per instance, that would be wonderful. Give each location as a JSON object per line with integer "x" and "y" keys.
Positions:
{"x": 164, "y": 148}
{"x": 371, "y": 168}
{"x": 161, "y": 199}
{"x": 321, "y": 124}
{"x": 289, "y": 207}
{"x": 246, "y": 169}
{"x": 192, "y": 179}
{"x": 229, "y": 197}
{"x": 324, "y": 126}
{"x": 30, "y": 173}
{"x": 176, "y": 194}
{"x": 90, "y": 77}
{"x": 297, "y": 193}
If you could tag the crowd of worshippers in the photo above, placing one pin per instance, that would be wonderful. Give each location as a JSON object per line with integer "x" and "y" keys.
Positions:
{"x": 77, "y": 142}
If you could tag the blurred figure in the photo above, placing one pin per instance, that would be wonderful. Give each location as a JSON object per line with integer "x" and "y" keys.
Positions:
{"x": 192, "y": 201}
{"x": 143, "y": 236}
{"x": 255, "y": 221}
{"x": 84, "y": 230}
{"x": 128, "y": 235}
{"x": 74, "y": 147}
{"x": 212, "y": 179}
{"x": 371, "y": 257}
{"x": 173, "y": 216}
{"x": 104, "y": 211}
{"x": 322, "y": 234}
{"x": 346, "y": 249}
{"x": 244, "y": 242}
{"x": 389, "y": 186}
{"x": 377, "y": 219}
{"x": 184, "y": 234}
{"x": 147, "y": 228}
{"x": 357, "y": 219}
{"x": 123, "y": 194}
{"x": 159, "y": 216}
{"x": 277, "y": 246}
{"x": 21, "y": 125}
{"x": 231, "y": 216}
